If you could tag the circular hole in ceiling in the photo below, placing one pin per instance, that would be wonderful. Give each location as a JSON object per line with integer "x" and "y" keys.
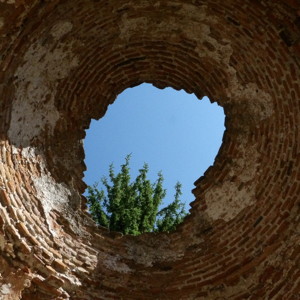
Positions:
{"x": 170, "y": 130}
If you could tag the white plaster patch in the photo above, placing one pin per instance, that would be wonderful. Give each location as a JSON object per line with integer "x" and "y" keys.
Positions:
{"x": 152, "y": 253}
{"x": 5, "y": 289}
{"x": 245, "y": 166}
{"x": 198, "y": 29}
{"x": 259, "y": 103}
{"x": 28, "y": 153}
{"x": 114, "y": 263}
{"x": 229, "y": 199}
{"x": 33, "y": 108}
{"x": 60, "y": 29}
{"x": 226, "y": 201}
{"x": 52, "y": 195}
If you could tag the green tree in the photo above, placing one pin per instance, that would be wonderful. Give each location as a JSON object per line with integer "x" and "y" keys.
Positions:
{"x": 133, "y": 207}
{"x": 172, "y": 215}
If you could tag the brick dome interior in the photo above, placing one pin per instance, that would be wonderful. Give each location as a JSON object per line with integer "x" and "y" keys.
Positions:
{"x": 63, "y": 62}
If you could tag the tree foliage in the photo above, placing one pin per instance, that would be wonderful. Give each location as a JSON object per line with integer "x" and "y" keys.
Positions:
{"x": 133, "y": 207}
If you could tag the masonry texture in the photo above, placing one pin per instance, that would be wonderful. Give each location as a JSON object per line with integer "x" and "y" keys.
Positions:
{"x": 62, "y": 62}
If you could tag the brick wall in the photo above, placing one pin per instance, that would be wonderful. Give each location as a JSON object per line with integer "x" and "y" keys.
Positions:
{"x": 63, "y": 62}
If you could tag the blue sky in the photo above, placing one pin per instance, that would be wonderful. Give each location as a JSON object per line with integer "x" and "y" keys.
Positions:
{"x": 170, "y": 130}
